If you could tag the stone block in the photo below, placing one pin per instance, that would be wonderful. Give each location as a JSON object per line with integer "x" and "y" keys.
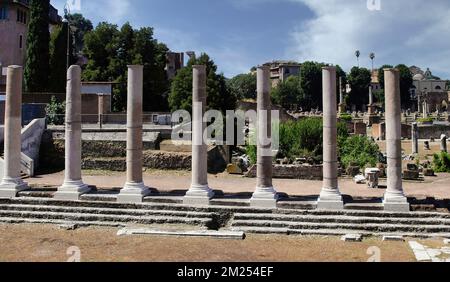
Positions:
{"x": 428, "y": 172}
{"x": 393, "y": 238}
{"x": 352, "y": 238}
{"x": 353, "y": 171}
{"x": 411, "y": 175}
{"x": 234, "y": 169}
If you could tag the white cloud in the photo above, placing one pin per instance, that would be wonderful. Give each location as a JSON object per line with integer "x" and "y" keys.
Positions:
{"x": 414, "y": 32}
{"x": 115, "y": 11}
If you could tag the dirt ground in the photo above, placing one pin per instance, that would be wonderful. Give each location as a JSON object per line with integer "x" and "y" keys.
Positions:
{"x": 438, "y": 187}
{"x": 47, "y": 243}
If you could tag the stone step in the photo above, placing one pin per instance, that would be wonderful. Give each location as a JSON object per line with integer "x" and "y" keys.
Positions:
{"x": 365, "y": 213}
{"x": 143, "y": 206}
{"x": 334, "y": 232}
{"x": 14, "y": 220}
{"x": 104, "y": 211}
{"x": 342, "y": 219}
{"x": 109, "y": 218}
{"x": 355, "y": 227}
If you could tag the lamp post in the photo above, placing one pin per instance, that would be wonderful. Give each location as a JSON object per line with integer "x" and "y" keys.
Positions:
{"x": 66, "y": 21}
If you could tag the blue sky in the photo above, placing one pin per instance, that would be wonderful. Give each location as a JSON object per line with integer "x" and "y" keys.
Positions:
{"x": 239, "y": 34}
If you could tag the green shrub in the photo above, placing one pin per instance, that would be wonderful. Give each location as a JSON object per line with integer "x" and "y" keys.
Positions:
{"x": 346, "y": 118}
{"x": 359, "y": 150}
{"x": 301, "y": 138}
{"x": 55, "y": 112}
{"x": 425, "y": 120}
{"x": 441, "y": 162}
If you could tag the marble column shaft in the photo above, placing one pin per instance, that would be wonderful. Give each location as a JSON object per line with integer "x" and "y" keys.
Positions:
{"x": 134, "y": 189}
{"x": 12, "y": 182}
{"x": 199, "y": 192}
{"x": 73, "y": 185}
{"x": 265, "y": 195}
{"x": 330, "y": 197}
{"x": 394, "y": 199}
{"x": 443, "y": 143}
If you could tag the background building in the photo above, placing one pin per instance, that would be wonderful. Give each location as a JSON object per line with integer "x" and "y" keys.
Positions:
{"x": 14, "y": 18}
{"x": 281, "y": 70}
{"x": 175, "y": 62}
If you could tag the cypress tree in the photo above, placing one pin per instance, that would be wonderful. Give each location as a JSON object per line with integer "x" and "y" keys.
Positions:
{"x": 58, "y": 58}
{"x": 37, "y": 68}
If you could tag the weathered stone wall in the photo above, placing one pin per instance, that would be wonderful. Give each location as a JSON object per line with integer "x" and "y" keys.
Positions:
{"x": 292, "y": 172}
{"x": 435, "y": 131}
{"x": 111, "y": 155}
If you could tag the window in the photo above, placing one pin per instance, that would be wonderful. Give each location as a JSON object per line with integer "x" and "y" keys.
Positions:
{"x": 21, "y": 16}
{"x": 21, "y": 41}
{"x": 438, "y": 88}
{"x": 3, "y": 13}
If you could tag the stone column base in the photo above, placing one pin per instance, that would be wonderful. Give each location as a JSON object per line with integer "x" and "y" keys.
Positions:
{"x": 10, "y": 187}
{"x": 133, "y": 193}
{"x": 266, "y": 197}
{"x": 396, "y": 204}
{"x": 330, "y": 199}
{"x": 198, "y": 195}
{"x": 71, "y": 191}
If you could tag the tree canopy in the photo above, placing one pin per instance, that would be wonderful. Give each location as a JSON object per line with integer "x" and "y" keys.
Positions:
{"x": 37, "y": 67}
{"x": 243, "y": 86}
{"x": 81, "y": 26}
{"x": 359, "y": 80}
{"x": 219, "y": 97}
{"x": 109, "y": 51}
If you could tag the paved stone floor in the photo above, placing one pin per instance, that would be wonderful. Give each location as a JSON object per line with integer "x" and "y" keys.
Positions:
{"x": 438, "y": 187}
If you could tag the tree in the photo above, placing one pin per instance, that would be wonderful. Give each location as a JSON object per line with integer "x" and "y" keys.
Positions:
{"x": 219, "y": 97}
{"x": 288, "y": 93}
{"x": 311, "y": 85}
{"x": 381, "y": 74}
{"x": 406, "y": 83}
{"x": 359, "y": 79}
{"x": 58, "y": 58}
{"x": 110, "y": 51}
{"x": 81, "y": 26}
{"x": 37, "y": 68}
{"x": 243, "y": 86}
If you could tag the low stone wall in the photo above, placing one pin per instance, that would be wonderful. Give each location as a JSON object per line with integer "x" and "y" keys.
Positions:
{"x": 292, "y": 172}
{"x": 433, "y": 131}
{"x": 111, "y": 155}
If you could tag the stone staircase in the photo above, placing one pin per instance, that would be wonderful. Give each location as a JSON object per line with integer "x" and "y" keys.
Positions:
{"x": 98, "y": 210}
{"x": 369, "y": 222}
{"x": 48, "y": 211}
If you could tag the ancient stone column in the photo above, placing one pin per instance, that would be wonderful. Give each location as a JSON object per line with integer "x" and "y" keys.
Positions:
{"x": 265, "y": 195}
{"x": 12, "y": 182}
{"x": 443, "y": 143}
{"x": 134, "y": 190}
{"x": 370, "y": 96}
{"x": 394, "y": 199}
{"x": 199, "y": 192}
{"x": 73, "y": 185}
{"x": 415, "y": 138}
{"x": 330, "y": 197}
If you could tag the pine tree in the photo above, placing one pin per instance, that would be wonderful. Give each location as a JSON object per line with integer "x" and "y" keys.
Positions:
{"x": 37, "y": 68}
